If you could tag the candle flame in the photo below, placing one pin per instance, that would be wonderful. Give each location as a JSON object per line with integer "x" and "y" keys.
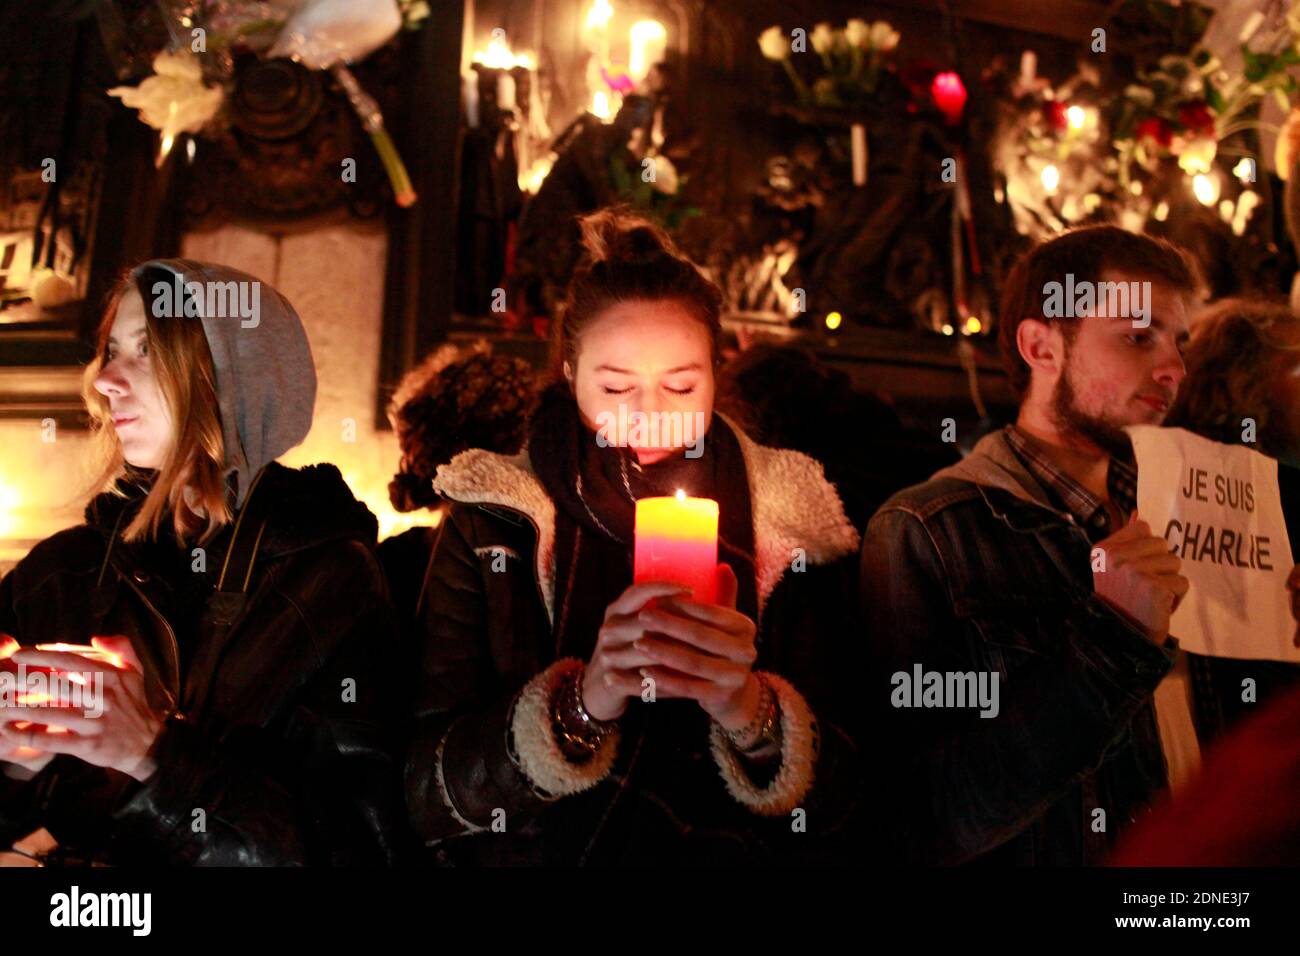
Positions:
{"x": 500, "y": 56}
{"x": 681, "y": 495}
{"x": 599, "y": 15}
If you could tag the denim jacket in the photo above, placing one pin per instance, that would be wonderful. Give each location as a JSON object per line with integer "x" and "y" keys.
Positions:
{"x": 975, "y": 571}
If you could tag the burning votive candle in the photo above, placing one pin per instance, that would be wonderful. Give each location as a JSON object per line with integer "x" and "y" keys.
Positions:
{"x": 677, "y": 542}
{"x": 94, "y": 654}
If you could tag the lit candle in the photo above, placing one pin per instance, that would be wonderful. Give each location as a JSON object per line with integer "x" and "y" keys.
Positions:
{"x": 9, "y": 647}
{"x": 1028, "y": 67}
{"x": 858, "y": 139}
{"x": 677, "y": 542}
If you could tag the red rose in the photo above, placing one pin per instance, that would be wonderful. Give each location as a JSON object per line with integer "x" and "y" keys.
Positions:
{"x": 1155, "y": 128}
{"x": 1197, "y": 118}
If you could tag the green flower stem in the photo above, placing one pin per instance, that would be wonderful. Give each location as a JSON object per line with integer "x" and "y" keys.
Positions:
{"x": 800, "y": 88}
{"x": 403, "y": 192}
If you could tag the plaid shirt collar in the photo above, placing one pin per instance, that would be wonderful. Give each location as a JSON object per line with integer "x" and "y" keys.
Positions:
{"x": 1088, "y": 510}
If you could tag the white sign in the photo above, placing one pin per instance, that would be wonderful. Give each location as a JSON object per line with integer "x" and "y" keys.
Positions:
{"x": 1219, "y": 509}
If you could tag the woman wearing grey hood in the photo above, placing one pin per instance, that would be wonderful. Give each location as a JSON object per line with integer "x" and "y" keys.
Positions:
{"x": 227, "y": 614}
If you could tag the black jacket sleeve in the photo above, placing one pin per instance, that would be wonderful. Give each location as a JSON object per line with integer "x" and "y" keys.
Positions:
{"x": 459, "y": 769}
{"x": 962, "y": 784}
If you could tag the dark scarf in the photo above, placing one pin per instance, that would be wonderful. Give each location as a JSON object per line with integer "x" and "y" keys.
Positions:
{"x": 595, "y": 491}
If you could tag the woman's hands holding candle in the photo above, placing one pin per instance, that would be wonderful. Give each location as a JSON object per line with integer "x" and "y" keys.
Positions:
{"x": 119, "y": 738}
{"x": 704, "y": 652}
{"x": 613, "y": 673}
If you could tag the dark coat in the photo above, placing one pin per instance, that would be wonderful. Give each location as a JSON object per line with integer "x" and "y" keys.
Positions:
{"x": 975, "y": 571}
{"x": 285, "y": 769}
{"x": 487, "y": 619}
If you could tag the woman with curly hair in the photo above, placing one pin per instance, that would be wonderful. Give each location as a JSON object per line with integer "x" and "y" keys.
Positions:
{"x": 457, "y": 398}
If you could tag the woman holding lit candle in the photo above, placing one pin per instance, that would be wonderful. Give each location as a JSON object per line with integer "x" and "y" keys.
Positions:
{"x": 238, "y": 614}
{"x": 638, "y": 637}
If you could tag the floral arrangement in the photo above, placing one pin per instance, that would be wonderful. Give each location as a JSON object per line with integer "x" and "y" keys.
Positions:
{"x": 854, "y": 61}
{"x": 1067, "y": 150}
{"x": 187, "y": 90}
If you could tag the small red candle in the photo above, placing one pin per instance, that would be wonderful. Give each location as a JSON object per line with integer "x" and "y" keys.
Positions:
{"x": 949, "y": 95}
{"x": 677, "y": 542}
{"x": 95, "y": 654}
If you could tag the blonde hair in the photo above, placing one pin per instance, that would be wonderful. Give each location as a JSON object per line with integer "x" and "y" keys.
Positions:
{"x": 190, "y": 484}
{"x": 1238, "y": 349}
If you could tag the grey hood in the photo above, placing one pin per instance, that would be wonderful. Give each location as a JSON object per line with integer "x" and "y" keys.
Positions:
{"x": 266, "y": 379}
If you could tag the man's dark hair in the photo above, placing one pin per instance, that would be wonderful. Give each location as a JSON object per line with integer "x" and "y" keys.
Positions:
{"x": 1086, "y": 253}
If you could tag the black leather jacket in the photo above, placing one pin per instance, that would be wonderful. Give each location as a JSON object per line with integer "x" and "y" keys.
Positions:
{"x": 289, "y": 763}
{"x": 975, "y": 571}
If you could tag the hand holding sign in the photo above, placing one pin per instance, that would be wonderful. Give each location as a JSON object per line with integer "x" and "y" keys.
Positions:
{"x": 1139, "y": 577}
{"x": 1218, "y": 508}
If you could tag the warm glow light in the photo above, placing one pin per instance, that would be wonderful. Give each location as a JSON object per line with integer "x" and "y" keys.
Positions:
{"x": 1076, "y": 117}
{"x": 1206, "y": 189}
{"x": 1051, "y": 179}
{"x": 947, "y": 329}
{"x": 1161, "y": 212}
{"x": 499, "y": 56}
{"x": 973, "y": 325}
{"x": 531, "y": 179}
{"x": 833, "y": 320}
{"x": 8, "y": 505}
{"x": 681, "y": 494}
{"x": 600, "y": 105}
{"x": 1245, "y": 169}
{"x": 599, "y": 14}
{"x": 647, "y": 40}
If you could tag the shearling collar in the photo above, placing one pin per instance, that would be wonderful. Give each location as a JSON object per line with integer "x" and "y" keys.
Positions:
{"x": 794, "y": 506}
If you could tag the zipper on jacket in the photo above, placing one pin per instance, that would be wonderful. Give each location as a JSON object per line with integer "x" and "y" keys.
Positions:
{"x": 173, "y": 646}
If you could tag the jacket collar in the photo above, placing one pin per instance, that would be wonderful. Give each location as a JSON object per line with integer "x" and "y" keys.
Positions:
{"x": 793, "y": 504}
{"x": 993, "y": 466}
{"x": 307, "y": 506}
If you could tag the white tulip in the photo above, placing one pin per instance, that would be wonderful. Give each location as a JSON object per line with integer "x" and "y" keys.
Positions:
{"x": 883, "y": 36}
{"x": 823, "y": 38}
{"x": 774, "y": 43}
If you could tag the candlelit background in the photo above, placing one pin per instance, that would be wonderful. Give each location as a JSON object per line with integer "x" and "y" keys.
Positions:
{"x": 859, "y": 186}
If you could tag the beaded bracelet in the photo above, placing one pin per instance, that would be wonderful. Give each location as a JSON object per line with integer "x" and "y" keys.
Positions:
{"x": 577, "y": 732}
{"x": 765, "y": 724}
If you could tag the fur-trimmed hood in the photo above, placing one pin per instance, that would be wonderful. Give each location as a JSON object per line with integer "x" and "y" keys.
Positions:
{"x": 794, "y": 507}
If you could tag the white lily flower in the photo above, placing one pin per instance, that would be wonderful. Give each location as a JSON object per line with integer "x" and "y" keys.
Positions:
{"x": 174, "y": 100}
